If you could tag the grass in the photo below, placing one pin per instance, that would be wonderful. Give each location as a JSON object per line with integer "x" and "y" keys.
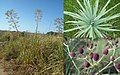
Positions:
{"x": 30, "y": 54}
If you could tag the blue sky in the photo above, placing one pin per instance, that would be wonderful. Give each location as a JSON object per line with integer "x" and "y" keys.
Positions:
{"x": 51, "y": 9}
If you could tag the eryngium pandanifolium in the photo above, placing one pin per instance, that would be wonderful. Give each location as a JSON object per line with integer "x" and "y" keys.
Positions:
{"x": 90, "y": 21}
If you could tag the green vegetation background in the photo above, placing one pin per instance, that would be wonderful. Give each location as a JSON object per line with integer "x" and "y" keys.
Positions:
{"x": 71, "y": 5}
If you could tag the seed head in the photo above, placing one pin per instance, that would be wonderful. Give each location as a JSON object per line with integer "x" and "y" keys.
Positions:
{"x": 72, "y": 54}
{"x": 95, "y": 56}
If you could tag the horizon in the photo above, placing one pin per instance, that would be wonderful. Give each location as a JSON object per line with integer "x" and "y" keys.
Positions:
{"x": 26, "y": 12}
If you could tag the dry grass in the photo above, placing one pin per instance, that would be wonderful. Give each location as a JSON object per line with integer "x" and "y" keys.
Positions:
{"x": 28, "y": 54}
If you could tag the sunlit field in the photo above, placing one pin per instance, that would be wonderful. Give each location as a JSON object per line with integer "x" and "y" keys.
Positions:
{"x": 31, "y": 37}
{"x": 30, "y": 54}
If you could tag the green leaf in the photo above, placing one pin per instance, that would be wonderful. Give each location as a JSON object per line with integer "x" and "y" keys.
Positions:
{"x": 108, "y": 18}
{"x": 80, "y": 5}
{"x": 69, "y": 30}
{"x": 78, "y": 27}
{"x": 98, "y": 33}
{"x": 103, "y": 10}
{"x": 75, "y": 15}
{"x": 83, "y": 32}
{"x": 104, "y": 25}
{"x": 83, "y": 14}
{"x": 96, "y": 7}
{"x": 91, "y": 33}
{"x": 107, "y": 29}
{"x": 112, "y": 8}
{"x": 88, "y": 12}
{"x": 76, "y": 22}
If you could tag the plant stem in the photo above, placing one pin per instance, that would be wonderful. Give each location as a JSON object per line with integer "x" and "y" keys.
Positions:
{"x": 72, "y": 59}
{"x": 104, "y": 67}
{"x": 15, "y": 25}
{"x": 89, "y": 62}
{"x": 107, "y": 65}
{"x": 100, "y": 59}
{"x": 110, "y": 61}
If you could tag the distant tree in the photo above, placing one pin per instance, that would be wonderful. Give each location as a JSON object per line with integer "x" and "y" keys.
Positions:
{"x": 13, "y": 18}
{"x": 59, "y": 24}
{"x": 38, "y": 16}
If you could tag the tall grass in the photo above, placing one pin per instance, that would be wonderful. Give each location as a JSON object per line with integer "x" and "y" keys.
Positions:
{"x": 29, "y": 55}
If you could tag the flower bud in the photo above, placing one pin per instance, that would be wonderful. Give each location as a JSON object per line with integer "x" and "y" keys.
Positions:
{"x": 116, "y": 41}
{"x": 93, "y": 73}
{"x": 107, "y": 47}
{"x": 109, "y": 37}
{"x": 72, "y": 54}
{"x": 95, "y": 56}
{"x": 80, "y": 50}
{"x": 106, "y": 44}
{"x": 90, "y": 45}
{"x": 95, "y": 44}
{"x": 105, "y": 52}
{"x": 86, "y": 64}
{"x": 117, "y": 65}
{"x": 112, "y": 58}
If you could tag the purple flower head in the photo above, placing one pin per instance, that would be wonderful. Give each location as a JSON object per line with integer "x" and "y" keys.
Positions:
{"x": 95, "y": 56}
{"x": 80, "y": 50}
{"x": 117, "y": 65}
{"x": 72, "y": 54}
{"x": 105, "y": 51}
{"x": 107, "y": 47}
{"x": 86, "y": 64}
